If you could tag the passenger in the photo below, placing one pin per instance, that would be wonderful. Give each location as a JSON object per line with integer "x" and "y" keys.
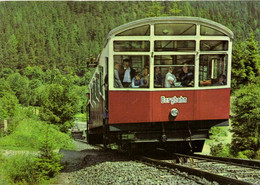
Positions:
{"x": 186, "y": 77}
{"x": 128, "y": 74}
{"x": 137, "y": 81}
{"x": 157, "y": 77}
{"x": 170, "y": 79}
{"x": 146, "y": 77}
{"x": 117, "y": 81}
{"x": 221, "y": 80}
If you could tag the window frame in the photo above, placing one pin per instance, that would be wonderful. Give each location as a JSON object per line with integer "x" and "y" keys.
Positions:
{"x": 152, "y": 38}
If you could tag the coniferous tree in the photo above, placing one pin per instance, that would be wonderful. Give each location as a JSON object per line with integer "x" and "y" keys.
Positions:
{"x": 246, "y": 120}
{"x": 252, "y": 62}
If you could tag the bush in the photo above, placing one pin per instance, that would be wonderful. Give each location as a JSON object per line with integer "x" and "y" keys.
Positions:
{"x": 246, "y": 119}
{"x": 220, "y": 150}
{"x": 48, "y": 163}
{"x": 59, "y": 105}
{"x": 20, "y": 169}
{"x": 246, "y": 154}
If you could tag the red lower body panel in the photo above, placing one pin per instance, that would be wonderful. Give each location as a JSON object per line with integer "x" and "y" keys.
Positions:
{"x": 147, "y": 106}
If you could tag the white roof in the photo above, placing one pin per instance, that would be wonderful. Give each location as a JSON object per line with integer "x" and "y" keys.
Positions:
{"x": 172, "y": 19}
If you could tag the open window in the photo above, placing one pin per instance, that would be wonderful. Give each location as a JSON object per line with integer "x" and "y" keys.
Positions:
{"x": 131, "y": 71}
{"x": 213, "y": 70}
{"x": 174, "y": 71}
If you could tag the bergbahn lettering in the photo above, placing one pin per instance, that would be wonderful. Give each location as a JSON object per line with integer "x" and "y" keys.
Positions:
{"x": 174, "y": 100}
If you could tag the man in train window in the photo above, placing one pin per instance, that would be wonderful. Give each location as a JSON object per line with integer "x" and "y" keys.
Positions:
{"x": 170, "y": 78}
{"x": 186, "y": 77}
{"x": 129, "y": 73}
{"x": 117, "y": 81}
{"x": 158, "y": 79}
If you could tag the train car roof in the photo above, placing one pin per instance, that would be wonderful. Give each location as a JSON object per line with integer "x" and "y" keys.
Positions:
{"x": 171, "y": 19}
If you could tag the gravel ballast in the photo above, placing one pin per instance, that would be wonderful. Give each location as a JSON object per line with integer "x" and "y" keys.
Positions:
{"x": 91, "y": 165}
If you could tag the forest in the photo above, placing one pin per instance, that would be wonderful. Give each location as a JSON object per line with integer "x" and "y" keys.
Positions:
{"x": 45, "y": 48}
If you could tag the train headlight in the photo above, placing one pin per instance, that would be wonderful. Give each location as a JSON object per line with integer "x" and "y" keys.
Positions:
{"x": 174, "y": 112}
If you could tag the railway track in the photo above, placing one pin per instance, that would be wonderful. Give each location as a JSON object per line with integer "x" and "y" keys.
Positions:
{"x": 225, "y": 171}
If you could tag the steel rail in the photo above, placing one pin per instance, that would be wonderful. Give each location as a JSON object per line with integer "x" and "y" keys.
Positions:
{"x": 192, "y": 171}
{"x": 244, "y": 162}
{"x": 232, "y": 161}
{"x": 175, "y": 172}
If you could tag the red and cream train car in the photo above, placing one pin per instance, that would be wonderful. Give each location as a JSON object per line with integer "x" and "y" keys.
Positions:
{"x": 178, "y": 116}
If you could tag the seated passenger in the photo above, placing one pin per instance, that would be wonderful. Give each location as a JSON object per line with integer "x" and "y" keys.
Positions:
{"x": 158, "y": 77}
{"x": 117, "y": 81}
{"x": 221, "y": 80}
{"x": 170, "y": 79}
{"x": 146, "y": 77}
{"x": 137, "y": 81}
{"x": 186, "y": 77}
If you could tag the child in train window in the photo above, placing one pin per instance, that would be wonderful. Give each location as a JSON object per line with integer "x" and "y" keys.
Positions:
{"x": 146, "y": 77}
{"x": 137, "y": 81}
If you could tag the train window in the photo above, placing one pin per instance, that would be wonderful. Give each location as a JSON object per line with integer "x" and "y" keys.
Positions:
{"x": 97, "y": 86}
{"x": 138, "y": 31}
{"x": 175, "y": 45}
{"x": 175, "y": 29}
{"x": 101, "y": 80}
{"x": 94, "y": 90}
{"x": 174, "y": 71}
{"x": 131, "y": 46}
{"x": 204, "y": 30}
{"x": 213, "y": 45}
{"x": 131, "y": 71}
{"x": 91, "y": 94}
{"x": 213, "y": 70}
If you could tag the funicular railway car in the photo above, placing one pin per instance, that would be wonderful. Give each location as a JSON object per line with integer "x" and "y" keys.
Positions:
{"x": 161, "y": 82}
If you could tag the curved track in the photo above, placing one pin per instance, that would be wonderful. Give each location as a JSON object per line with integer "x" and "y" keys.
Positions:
{"x": 222, "y": 170}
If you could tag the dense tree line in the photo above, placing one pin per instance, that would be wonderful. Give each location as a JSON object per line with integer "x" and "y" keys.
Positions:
{"x": 56, "y": 96}
{"x": 63, "y": 34}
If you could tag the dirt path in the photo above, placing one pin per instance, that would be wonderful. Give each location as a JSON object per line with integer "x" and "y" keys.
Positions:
{"x": 74, "y": 160}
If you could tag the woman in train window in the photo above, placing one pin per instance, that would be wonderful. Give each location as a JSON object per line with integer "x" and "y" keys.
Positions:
{"x": 170, "y": 78}
{"x": 146, "y": 77}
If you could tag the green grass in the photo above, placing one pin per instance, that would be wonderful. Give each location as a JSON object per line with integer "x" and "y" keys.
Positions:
{"x": 30, "y": 134}
{"x": 81, "y": 117}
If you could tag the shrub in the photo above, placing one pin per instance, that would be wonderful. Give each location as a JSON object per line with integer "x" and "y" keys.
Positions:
{"x": 48, "y": 163}
{"x": 20, "y": 169}
{"x": 220, "y": 150}
{"x": 246, "y": 119}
